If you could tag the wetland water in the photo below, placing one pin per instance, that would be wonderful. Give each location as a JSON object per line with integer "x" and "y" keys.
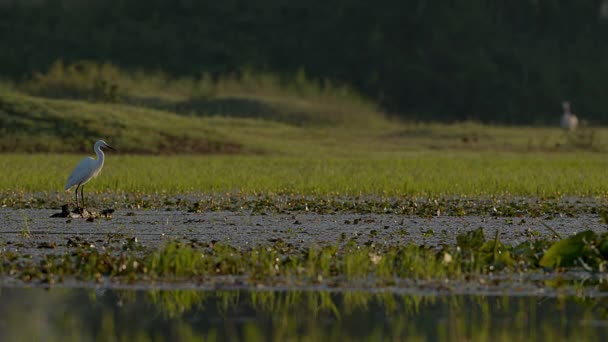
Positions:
{"x": 64, "y": 314}
{"x": 86, "y": 310}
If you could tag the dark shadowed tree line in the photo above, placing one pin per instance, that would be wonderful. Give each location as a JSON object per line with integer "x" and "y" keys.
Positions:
{"x": 495, "y": 61}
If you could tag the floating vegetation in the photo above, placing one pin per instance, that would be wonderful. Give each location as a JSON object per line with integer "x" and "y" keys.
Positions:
{"x": 474, "y": 258}
{"x": 507, "y": 206}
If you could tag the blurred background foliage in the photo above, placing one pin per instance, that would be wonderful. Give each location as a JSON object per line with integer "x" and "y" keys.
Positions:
{"x": 510, "y": 62}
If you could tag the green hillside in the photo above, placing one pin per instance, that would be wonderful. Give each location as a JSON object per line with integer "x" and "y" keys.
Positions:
{"x": 69, "y": 107}
{"x": 32, "y": 124}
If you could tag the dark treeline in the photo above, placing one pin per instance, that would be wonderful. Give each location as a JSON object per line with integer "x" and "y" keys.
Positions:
{"x": 494, "y": 61}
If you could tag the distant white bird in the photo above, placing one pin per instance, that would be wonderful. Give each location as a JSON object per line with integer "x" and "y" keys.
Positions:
{"x": 87, "y": 169}
{"x": 569, "y": 120}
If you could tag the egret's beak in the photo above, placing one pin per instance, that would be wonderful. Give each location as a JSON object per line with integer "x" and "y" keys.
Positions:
{"x": 110, "y": 147}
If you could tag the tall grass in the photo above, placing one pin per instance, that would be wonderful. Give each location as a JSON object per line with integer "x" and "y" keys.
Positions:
{"x": 292, "y": 98}
{"x": 408, "y": 173}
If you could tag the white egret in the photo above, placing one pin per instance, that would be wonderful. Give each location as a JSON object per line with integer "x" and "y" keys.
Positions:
{"x": 569, "y": 121}
{"x": 87, "y": 169}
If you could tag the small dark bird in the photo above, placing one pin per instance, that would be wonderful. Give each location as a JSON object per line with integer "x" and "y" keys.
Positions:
{"x": 65, "y": 212}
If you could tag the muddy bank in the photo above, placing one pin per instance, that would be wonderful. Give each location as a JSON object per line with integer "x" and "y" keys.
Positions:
{"x": 33, "y": 231}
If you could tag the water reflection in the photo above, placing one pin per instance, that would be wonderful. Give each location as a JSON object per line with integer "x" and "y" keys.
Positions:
{"x": 188, "y": 315}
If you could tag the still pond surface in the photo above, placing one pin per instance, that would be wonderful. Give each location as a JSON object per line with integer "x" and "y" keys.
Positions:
{"x": 66, "y": 314}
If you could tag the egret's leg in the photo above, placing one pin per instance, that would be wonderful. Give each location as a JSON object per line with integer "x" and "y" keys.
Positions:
{"x": 76, "y": 192}
{"x": 82, "y": 195}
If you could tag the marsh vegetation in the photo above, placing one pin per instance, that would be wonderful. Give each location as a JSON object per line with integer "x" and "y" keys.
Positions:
{"x": 348, "y": 176}
{"x": 197, "y": 153}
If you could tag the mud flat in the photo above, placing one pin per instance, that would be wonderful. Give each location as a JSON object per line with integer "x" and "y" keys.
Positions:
{"x": 34, "y": 232}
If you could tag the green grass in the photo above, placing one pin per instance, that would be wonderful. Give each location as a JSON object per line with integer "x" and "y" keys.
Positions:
{"x": 401, "y": 174}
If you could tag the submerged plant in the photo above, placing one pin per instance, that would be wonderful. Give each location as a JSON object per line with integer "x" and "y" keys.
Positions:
{"x": 25, "y": 231}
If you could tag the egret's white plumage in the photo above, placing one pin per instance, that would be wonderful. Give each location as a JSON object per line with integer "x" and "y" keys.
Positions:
{"x": 569, "y": 121}
{"x": 87, "y": 169}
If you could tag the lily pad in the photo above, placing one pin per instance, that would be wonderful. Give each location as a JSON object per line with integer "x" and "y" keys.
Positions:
{"x": 566, "y": 251}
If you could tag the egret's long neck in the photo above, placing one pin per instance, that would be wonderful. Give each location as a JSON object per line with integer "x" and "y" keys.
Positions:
{"x": 100, "y": 155}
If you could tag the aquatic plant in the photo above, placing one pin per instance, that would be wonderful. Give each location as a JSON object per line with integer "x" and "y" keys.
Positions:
{"x": 347, "y": 264}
